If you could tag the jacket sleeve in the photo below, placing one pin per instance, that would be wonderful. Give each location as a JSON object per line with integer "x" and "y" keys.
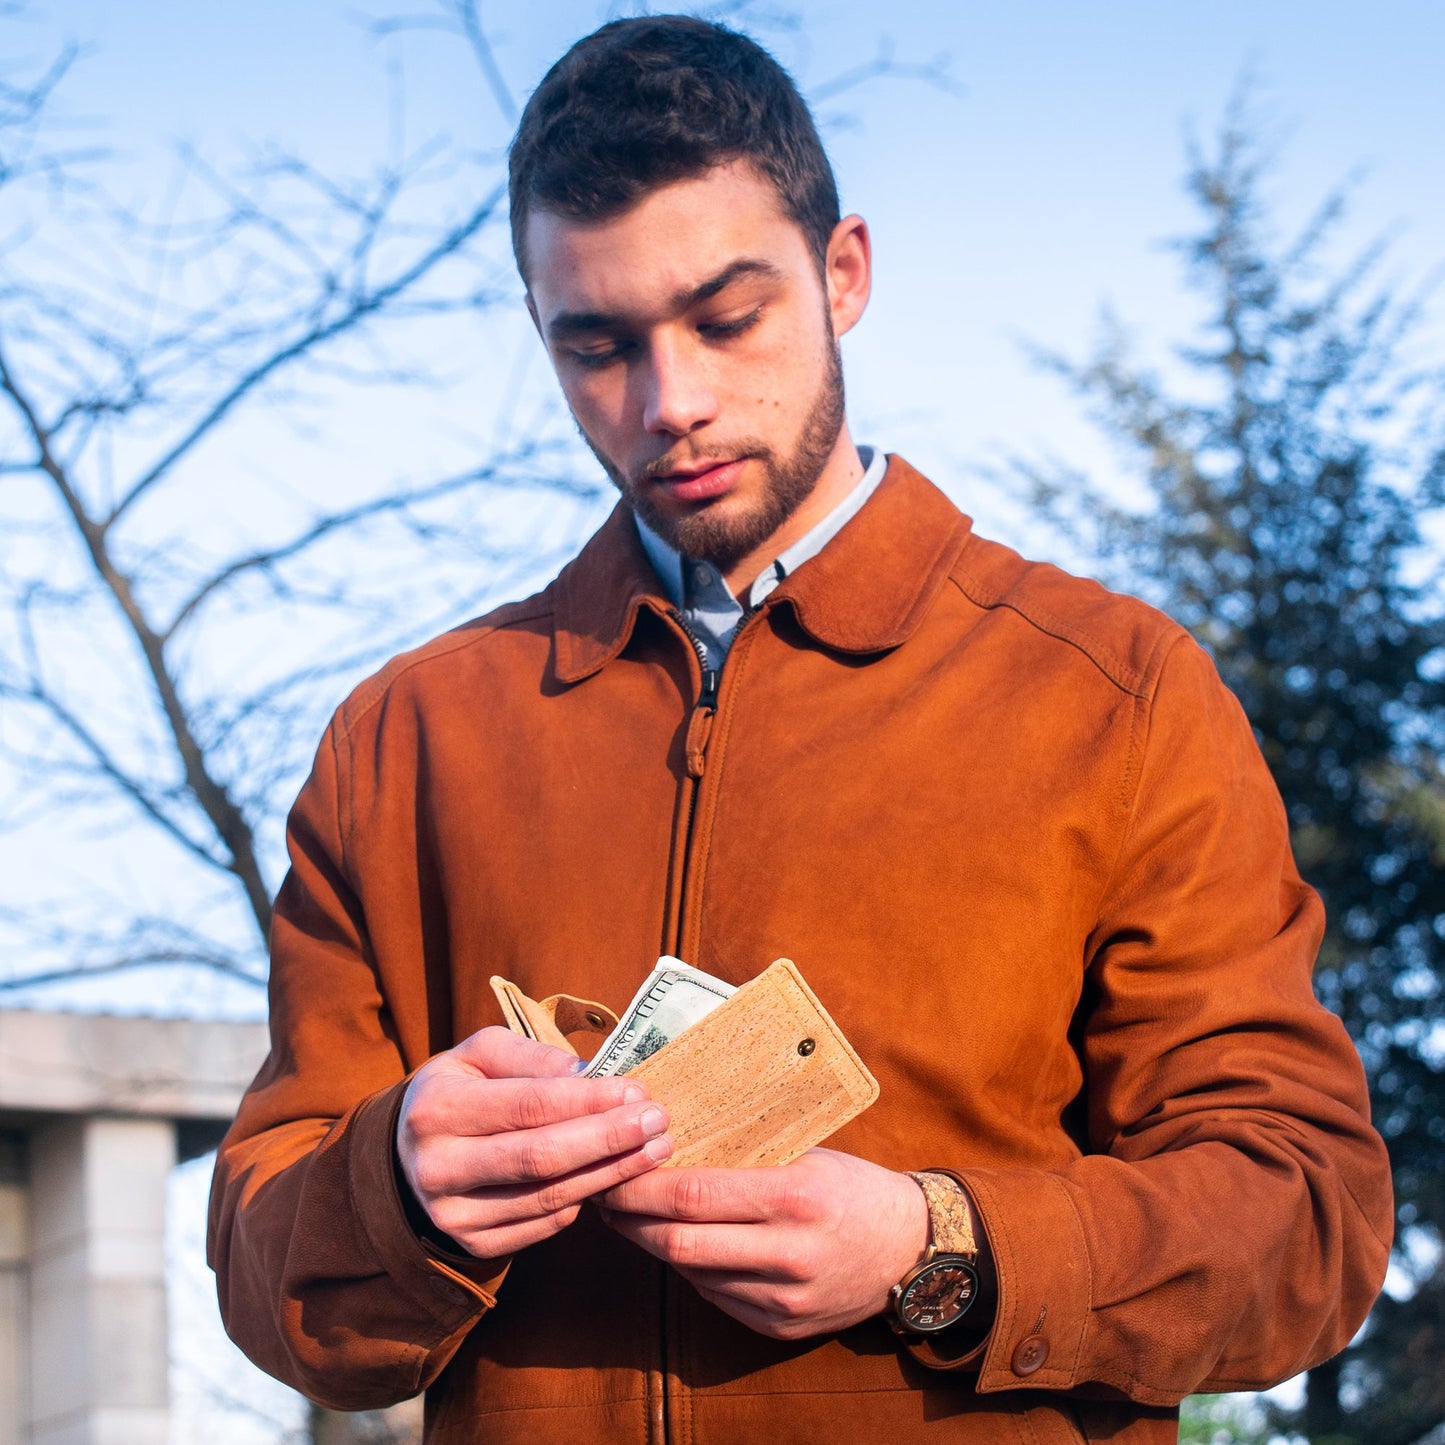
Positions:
{"x": 1229, "y": 1224}
{"x": 322, "y": 1281}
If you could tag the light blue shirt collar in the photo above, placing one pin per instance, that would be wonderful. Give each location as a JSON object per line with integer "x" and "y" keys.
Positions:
{"x": 697, "y": 588}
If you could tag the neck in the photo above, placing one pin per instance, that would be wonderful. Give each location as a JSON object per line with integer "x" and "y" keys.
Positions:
{"x": 841, "y": 473}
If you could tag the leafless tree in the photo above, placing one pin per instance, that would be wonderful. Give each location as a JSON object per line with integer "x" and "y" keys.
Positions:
{"x": 175, "y": 621}
{"x": 164, "y": 650}
{"x": 168, "y": 645}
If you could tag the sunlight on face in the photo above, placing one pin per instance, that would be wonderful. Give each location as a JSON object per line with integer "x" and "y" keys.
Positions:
{"x": 695, "y": 340}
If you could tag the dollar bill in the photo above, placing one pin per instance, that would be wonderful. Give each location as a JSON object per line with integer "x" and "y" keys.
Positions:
{"x": 673, "y": 998}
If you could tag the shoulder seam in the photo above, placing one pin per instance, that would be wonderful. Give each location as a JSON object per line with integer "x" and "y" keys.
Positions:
{"x": 1153, "y": 669}
{"x": 341, "y": 781}
{"x": 1129, "y": 679}
{"x": 1138, "y": 745}
{"x": 371, "y": 692}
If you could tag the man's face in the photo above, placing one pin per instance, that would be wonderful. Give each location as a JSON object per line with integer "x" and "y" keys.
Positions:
{"x": 695, "y": 341}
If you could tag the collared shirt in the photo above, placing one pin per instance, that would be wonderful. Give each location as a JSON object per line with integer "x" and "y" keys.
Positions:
{"x": 698, "y": 590}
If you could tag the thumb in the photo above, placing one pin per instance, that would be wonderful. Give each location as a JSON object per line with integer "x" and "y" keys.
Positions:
{"x": 498, "y": 1053}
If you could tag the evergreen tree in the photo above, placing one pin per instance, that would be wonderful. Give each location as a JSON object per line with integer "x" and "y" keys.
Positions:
{"x": 1291, "y": 459}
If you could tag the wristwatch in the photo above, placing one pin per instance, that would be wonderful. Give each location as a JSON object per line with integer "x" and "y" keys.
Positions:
{"x": 939, "y": 1289}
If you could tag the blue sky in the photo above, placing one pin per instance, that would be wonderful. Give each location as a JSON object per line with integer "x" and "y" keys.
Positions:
{"x": 1013, "y": 209}
{"x": 1010, "y": 206}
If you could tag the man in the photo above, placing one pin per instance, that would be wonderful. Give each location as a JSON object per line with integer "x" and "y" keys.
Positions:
{"x": 1012, "y": 829}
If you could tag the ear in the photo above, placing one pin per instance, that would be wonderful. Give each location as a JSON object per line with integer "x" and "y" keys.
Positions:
{"x": 848, "y": 272}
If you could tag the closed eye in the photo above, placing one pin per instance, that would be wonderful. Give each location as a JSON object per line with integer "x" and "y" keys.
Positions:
{"x": 595, "y": 357}
{"x": 722, "y": 330}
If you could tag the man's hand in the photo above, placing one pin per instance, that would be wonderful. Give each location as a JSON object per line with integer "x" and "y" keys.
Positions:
{"x": 501, "y": 1142}
{"x": 802, "y": 1250}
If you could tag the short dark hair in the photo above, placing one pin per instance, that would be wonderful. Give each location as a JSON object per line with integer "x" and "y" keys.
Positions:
{"x": 660, "y": 98}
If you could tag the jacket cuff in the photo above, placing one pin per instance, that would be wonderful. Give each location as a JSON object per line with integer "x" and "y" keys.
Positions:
{"x": 1044, "y": 1285}
{"x": 455, "y": 1288}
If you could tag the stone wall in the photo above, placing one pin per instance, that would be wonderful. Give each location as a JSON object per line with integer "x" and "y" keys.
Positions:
{"x": 94, "y": 1112}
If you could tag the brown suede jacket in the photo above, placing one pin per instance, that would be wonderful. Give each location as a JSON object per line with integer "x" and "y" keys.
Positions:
{"x": 1020, "y": 841}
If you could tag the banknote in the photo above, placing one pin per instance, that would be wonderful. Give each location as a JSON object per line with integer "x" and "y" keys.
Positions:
{"x": 674, "y": 996}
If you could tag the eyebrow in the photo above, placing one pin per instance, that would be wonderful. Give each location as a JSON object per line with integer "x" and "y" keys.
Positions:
{"x": 573, "y": 323}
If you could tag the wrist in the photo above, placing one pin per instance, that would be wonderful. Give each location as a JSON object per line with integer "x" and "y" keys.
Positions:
{"x": 953, "y": 1282}
{"x": 913, "y": 1230}
{"x": 419, "y": 1221}
{"x": 984, "y": 1263}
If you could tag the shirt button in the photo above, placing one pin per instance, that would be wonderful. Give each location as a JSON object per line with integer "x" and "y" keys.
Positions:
{"x": 701, "y": 574}
{"x": 1030, "y": 1354}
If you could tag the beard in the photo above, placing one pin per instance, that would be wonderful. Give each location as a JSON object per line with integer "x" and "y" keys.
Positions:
{"x": 709, "y": 533}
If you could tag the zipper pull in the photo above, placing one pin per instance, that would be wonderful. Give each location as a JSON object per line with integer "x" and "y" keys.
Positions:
{"x": 699, "y": 725}
{"x": 699, "y": 729}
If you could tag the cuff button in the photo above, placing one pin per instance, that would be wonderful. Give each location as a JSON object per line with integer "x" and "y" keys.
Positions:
{"x": 1030, "y": 1354}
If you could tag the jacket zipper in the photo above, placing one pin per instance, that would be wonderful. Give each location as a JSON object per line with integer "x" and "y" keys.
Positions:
{"x": 699, "y": 730}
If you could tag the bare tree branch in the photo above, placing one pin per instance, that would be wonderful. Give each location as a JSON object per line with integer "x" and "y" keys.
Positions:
{"x": 21, "y": 107}
{"x": 361, "y": 310}
{"x": 348, "y": 518}
{"x": 936, "y": 72}
{"x": 129, "y": 963}
{"x": 166, "y": 652}
{"x": 464, "y": 18}
{"x": 140, "y": 940}
{"x": 232, "y": 828}
{"x": 111, "y": 770}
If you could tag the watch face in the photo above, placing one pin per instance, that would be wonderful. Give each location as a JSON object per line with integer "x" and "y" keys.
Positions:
{"x": 937, "y": 1295}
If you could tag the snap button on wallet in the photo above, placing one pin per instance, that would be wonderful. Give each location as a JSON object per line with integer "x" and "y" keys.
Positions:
{"x": 760, "y": 1080}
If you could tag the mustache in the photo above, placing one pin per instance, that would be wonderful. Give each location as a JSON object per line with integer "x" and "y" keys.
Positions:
{"x": 748, "y": 450}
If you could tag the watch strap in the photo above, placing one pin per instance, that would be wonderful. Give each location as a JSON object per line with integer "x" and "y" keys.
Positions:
{"x": 950, "y": 1217}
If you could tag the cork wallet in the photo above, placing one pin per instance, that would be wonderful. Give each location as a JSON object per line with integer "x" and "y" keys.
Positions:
{"x": 760, "y": 1080}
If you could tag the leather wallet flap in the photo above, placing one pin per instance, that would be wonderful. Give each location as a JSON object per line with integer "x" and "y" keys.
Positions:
{"x": 552, "y": 1019}
{"x": 575, "y": 1015}
{"x": 762, "y": 1079}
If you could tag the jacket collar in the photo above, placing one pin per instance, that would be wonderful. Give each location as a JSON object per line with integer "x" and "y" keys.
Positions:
{"x": 866, "y": 591}
{"x": 599, "y": 594}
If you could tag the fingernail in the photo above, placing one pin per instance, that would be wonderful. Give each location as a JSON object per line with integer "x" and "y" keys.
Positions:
{"x": 653, "y": 1121}
{"x": 658, "y": 1149}
{"x": 578, "y": 1065}
{"x": 632, "y": 1093}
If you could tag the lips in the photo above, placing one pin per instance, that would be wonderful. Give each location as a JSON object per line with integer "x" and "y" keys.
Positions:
{"x": 701, "y": 486}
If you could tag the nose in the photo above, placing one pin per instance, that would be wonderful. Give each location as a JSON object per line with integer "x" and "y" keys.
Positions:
{"x": 680, "y": 395}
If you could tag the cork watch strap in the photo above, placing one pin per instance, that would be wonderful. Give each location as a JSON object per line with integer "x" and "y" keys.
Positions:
{"x": 949, "y": 1218}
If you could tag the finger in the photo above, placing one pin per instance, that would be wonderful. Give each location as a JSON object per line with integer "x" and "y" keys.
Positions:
{"x": 531, "y": 1156}
{"x": 499, "y": 1243}
{"x": 487, "y": 1221}
{"x": 739, "y": 1196}
{"x": 519, "y": 1201}
{"x": 762, "y": 1252}
{"x": 500, "y": 1054}
{"x": 465, "y": 1106}
{"x": 771, "y": 1294}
